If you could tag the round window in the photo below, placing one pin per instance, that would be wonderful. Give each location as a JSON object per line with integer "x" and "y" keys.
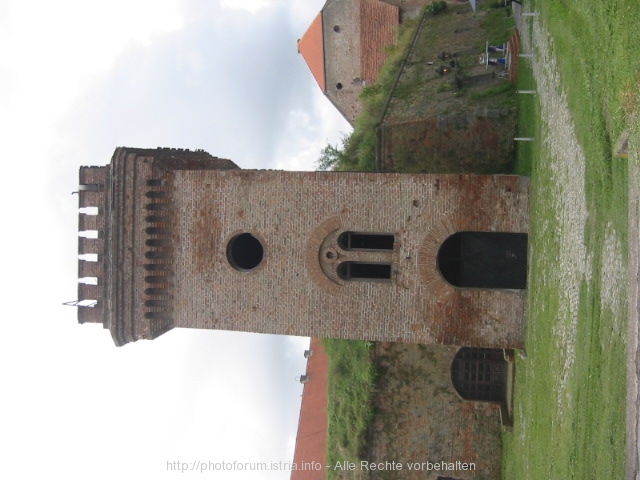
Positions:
{"x": 245, "y": 252}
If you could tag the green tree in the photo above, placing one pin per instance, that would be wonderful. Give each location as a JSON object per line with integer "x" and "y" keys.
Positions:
{"x": 331, "y": 157}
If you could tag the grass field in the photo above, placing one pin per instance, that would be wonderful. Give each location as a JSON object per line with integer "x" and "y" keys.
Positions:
{"x": 571, "y": 389}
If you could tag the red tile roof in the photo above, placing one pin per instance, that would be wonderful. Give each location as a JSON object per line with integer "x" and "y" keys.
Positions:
{"x": 311, "y": 46}
{"x": 311, "y": 441}
{"x": 378, "y": 27}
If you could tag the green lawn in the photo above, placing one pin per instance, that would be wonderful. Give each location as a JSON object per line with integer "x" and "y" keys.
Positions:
{"x": 571, "y": 389}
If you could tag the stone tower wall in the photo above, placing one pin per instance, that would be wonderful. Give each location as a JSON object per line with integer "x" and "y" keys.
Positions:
{"x": 292, "y": 213}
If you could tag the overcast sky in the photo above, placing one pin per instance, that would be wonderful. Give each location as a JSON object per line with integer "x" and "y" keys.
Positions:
{"x": 77, "y": 79}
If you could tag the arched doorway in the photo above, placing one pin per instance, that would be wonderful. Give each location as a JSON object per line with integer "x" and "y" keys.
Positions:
{"x": 484, "y": 260}
{"x": 480, "y": 374}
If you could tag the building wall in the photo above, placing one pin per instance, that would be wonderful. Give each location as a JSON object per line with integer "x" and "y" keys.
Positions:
{"x": 342, "y": 55}
{"x": 474, "y": 141}
{"x": 356, "y": 34}
{"x": 435, "y": 123}
{"x": 420, "y": 418}
{"x": 293, "y": 212}
{"x": 134, "y": 226}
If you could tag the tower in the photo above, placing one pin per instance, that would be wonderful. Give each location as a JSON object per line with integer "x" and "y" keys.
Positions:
{"x": 188, "y": 240}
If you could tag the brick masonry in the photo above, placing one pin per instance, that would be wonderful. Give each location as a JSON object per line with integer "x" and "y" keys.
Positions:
{"x": 168, "y": 218}
{"x": 466, "y": 142}
{"x": 421, "y": 418}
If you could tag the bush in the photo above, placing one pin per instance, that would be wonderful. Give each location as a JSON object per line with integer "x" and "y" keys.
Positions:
{"x": 436, "y": 8}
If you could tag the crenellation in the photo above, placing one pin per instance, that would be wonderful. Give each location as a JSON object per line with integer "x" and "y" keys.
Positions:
{"x": 89, "y": 269}
{"x": 89, "y": 245}
{"x": 87, "y": 291}
{"x": 89, "y": 223}
{"x": 93, "y": 175}
{"x": 91, "y": 198}
{"x": 90, "y": 314}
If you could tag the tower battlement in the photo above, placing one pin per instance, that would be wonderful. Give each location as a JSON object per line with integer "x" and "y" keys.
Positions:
{"x": 91, "y": 224}
{"x": 126, "y": 223}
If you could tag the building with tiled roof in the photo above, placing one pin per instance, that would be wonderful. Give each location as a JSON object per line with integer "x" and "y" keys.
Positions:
{"x": 310, "y": 455}
{"x": 345, "y": 48}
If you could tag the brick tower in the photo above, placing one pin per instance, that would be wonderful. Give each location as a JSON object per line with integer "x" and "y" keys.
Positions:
{"x": 185, "y": 239}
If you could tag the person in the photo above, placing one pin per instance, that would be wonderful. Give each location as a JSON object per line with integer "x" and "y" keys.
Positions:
{"x": 497, "y": 61}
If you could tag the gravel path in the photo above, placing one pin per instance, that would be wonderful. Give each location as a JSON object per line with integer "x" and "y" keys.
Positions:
{"x": 566, "y": 159}
{"x": 633, "y": 366}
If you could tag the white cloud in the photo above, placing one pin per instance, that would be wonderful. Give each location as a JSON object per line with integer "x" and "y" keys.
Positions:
{"x": 308, "y": 132}
{"x": 53, "y": 51}
{"x": 251, "y": 6}
{"x": 57, "y": 46}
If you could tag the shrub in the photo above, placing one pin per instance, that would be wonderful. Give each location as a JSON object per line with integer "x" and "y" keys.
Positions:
{"x": 436, "y": 8}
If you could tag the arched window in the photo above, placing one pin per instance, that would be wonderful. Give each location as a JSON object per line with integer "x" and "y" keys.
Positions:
{"x": 365, "y": 271}
{"x": 366, "y": 241}
{"x": 347, "y": 256}
{"x": 480, "y": 374}
{"x": 484, "y": 260}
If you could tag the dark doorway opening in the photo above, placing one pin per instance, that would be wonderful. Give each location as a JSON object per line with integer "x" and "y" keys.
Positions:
{"x": 484, "y": 260}
{"x": 480, "y": 374}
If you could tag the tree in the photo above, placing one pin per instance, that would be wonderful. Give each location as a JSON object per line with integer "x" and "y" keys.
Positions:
{"x": 331, "y": 157}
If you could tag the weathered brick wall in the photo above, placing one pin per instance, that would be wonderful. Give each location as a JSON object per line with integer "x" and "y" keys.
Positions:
{"x": 134, "y": 267}
{"x": 420, "y": 418}
{"x": 435, "y": 123}
{"x": 475, "y": 141}
{"x": 291, "y": 213}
